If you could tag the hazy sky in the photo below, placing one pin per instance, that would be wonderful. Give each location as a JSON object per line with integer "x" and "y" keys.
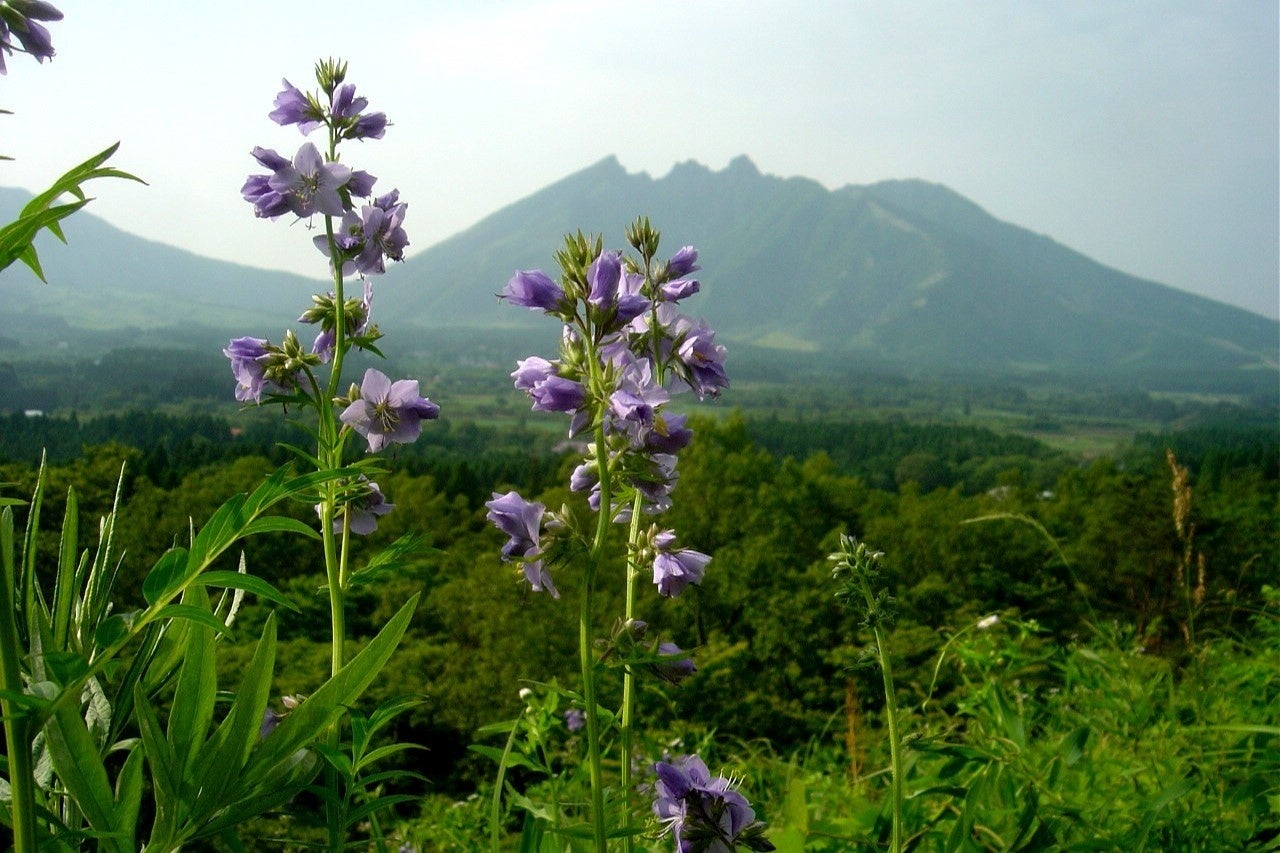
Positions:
{"x": 1144, "y": 134}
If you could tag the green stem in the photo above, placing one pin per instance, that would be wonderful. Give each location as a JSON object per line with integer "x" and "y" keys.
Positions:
{"x": 585, "y": 655}
{"x": 895, "y": 741}
{"x": 330, "y": 454}
{"x": 628, "y": 676}
{"x": 495, "y": 807}
{"x": 17, "y": 729}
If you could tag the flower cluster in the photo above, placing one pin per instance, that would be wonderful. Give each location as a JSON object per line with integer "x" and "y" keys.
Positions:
{"x": 261, "y": 367}
{"x": 19, "y": 19}
{"x": 362, "y": 508}
{"x": 313, "y": 183}
{"x": 625, "y": 350}
{"x": 704, "y": 813}
{"x": 359, "y": 238}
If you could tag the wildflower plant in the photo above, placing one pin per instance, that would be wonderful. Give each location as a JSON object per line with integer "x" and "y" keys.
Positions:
{"x": 359, "y": 233}
{"x": 858, "y": 587}
{"x": 626, "y": 348}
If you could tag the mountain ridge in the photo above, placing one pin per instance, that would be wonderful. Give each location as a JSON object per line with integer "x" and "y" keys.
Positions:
{"x": 902, "y": 273}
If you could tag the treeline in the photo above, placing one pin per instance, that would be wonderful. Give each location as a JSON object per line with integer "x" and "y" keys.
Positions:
{"x": 464, "y": 457}
{"x": 1005, "y": 526}
{"x": 889, "y": 454}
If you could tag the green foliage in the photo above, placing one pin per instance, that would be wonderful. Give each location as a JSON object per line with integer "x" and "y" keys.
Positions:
{"x": 43, "y": 211}
{"x": 77, "y": 677}
{"x": 774, "y": 649}
{"x": 1105, "y": 748}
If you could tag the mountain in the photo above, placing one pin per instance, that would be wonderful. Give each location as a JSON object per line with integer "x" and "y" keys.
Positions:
{"x": 904, "y": 274}
{"x": 901, "y": 275}
{"x": 108, "y": 287}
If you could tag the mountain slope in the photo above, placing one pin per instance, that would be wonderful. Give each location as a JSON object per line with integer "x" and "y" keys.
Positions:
{"x": 107, "y": 283}
{"x": 904, "y": 275}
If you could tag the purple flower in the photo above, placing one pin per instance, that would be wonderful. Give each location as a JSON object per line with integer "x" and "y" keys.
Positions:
{"x": 361, "y": 184}
{"x": 294, "y": 107}
{"x": 704, "y": 813}
{"x": 675, "y": 568}
{"x": 669, "y": 434}
{"x": 539, "y": 578}
{"x": 634, "y": 405}
{"x": 557, "y": 394}
{"x": 682, "y": 263}
{"x": 18, "y": 18}
{"x": 575, "y": 719}
{"x": 701, "y": 358}
{"x": 521, "y": 520}
{"x": 602, "y": 278}
{"x": 267, "y": 203}
{"x": 656, "y": 481}
{"x": 532, "y": 370}
{"x": 534, "y": 289}
{"x": 347, "y": 108}
{"x": 371, "y": 126}
{"x": 387, "y": 411}
{"x": 371, "y": 237}
{"x": 270, "y": 158}
{"x": 674, "y": 291}
{"x": 364, "y": 510}
{"x": 609, "y": 289}
{"x": 345, "y": 102}
{"x": 248, "y": 363}
{"x": 310, "y": 184}
{"x": 675, "y": 666}
{"x": 585, "y": 476}
{"x": 323, "y": 345}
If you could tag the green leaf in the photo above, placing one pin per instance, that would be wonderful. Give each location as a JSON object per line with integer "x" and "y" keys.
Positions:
{"x": 514, "y": 759}
{"x": 337, "y": 759}
{"x": 194, "y": 614}
{"x": 361, "y": 813}
{"x": 306, "y": 722}
{"x": 249, "y": 583}
{"x": 129, "y": 798}
{"x": 1074, "y": 745}
{"x": 221, "y": 774}
{"x": 501, "y": 728}
{"x": 165, "y": 576}
{"x": 113, "y": 629}
{"x": 374, "y": 756}
{"x": 75, "y": 759}
{"x": 64, "y": 585}
{"x": 41, "y": 212}
{"x": 389, "y": 559}
{"x": 166, "y": 779}
{"x": 280, "y": 524}
{"x": 192, "y": 709}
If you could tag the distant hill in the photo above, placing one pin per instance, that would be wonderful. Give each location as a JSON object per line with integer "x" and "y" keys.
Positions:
{"x": 902, "y": 275}
{"x": 108, "y": 288}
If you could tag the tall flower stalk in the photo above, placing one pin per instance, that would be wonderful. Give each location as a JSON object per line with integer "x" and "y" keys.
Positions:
{"x": 857, "y": 572}
{"x": 625, "y": 349}
{"x": 361, "y": 232}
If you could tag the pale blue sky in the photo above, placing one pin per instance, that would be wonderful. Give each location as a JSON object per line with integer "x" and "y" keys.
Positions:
{"x": 1143, "y": 134}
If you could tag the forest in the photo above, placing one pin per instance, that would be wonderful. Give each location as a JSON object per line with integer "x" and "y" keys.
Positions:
{"x": 1083, "y": 648}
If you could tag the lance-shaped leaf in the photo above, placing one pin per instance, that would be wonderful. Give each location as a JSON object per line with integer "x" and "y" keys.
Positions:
{"x": 42, "y": 212}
